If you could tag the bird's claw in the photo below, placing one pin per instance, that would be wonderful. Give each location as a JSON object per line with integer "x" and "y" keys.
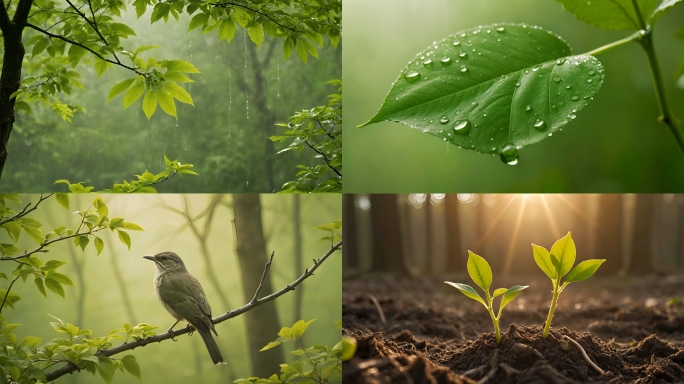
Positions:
{"x": 192, "y": 330}
{"x": 172, "y": 335}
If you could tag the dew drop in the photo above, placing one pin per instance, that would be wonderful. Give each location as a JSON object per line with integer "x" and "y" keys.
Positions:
{"x": 560, "y": 61}
{"x": 462, "y": 54}
{"x": 462, "y": 127}
{"x": 464, "y": 68}
{"x": 528, "y": 108}
{"x": 592, "y": 72}
{"x": 457, "y": 43}
{"x": 589, "y": 80}
{"x": 558, "y": 79}
{"x": 412, "y": 76}
{"x": 444, "y": 120}
{"x": 500, "y": 29}
{"x": 445, "y": 60}
{"x": 427, "y": 62}
{"x": 540, "y": 125}
{"x": 509, "y": 154}
{"x": 575, "y": 98}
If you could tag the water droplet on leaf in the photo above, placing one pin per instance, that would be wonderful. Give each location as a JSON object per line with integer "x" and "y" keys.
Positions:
{"x": 509, "y": 154}
{"x": 412, "y": 76}
{"x": 444, "y": 120}
{"x": 540, "y": 125}
{"x": 462, "y": 127}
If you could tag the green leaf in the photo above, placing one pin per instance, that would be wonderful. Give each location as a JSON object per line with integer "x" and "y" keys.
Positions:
{"x": 498, "y": 292}
{"x": 299, "y": 327}
{"x": 35, "y": 233}
{"x": 227, "y": 30}
{"x": 181, "y": 66}
{"x": 39, "y": 283}
{"x": 119, "y": 88}
{"x": 131, "y": 365}
{"x": 81, "y": 241}
{"x": 480, "y": 271}
{"x": 132, "y": 227}
{"x": 661, "y": 9}
{"x": 256, "y": 33}
{"x": 468, "y": 291}
{"x": 101, "y": 207}
{"x": 510, "y": 294}
{"x": 503, "y": 96}
{"x": 122, "y": 29}
{"x": 60, "y": 278}
{"x": 134, "y": 92}
{"x": 31, "y": 341}
{"x": 609, "y": 14}
{"x": 584, "y": 270}
{"x": 270, "y": 345}
{"x": 564, "y": 249}
{"x": 349, "y": 345}
{"x": 52, "y": 265}
{"x": 63, "y": 199}
{"x": 166, "y": 102}
{"x": 106, "y": 368}
{"x": 54, "y": 286}
{"x": 125, "y": 238}
{"x": 198, "y": 20}
{"x": 301, "y": 50}
{"x": 149, "y": 103}
{"x": 543, "y": 260}
{"x": 99, "y": 245}
{"x": 178, "y": 92}
{"x": 13, "y": 230}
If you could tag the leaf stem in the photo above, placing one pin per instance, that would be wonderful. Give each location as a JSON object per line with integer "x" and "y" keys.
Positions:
{"x": 665, "y": 114}
{"x": 495, "y": 320}
{"x": 547, "y": 326}
{"x": 635, "y": 36}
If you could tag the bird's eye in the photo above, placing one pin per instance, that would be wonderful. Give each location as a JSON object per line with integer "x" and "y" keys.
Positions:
{"x": 163, "y": 257}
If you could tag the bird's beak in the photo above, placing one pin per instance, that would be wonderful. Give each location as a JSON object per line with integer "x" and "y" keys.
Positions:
{"x": 150, "y": 258}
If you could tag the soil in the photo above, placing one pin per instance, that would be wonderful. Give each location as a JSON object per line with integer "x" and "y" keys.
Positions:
{"x": 630, "y": 328}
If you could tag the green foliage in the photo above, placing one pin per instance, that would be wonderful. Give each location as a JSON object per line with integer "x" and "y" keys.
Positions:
{"x": 481, "y": 273}
{"x": 63, "y": 36}
{"x": 498, "y": 88}
{"x": 319, "y": 129}
{"x": 144, "y": 184}
{"x": 558, "y": 263}
{"x": 493, "y": 89}
{"x": 318, "y": 364}
{"x": 333, "y": 228}
{"x": 25, "y": 361}
{"x": 349, "y": 346}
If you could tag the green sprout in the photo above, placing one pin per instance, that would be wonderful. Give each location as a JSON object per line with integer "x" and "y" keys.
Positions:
{"x": 557, "y": 264}
{"x": 481, "y": 273}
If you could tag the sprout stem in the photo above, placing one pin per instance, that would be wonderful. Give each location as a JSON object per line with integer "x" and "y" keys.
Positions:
{"x": 635, "y": 36}
{"x": 556, "y": 293}
{"x": 495, "y": 320}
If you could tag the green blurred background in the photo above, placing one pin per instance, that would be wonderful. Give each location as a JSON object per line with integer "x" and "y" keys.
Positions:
{"x": 117, "y": 284}
{"x": 239, "y": 96}
{"x": 614, "y": 145}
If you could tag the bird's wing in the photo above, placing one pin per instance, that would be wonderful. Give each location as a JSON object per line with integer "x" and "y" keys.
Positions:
{"x": 184, "y": 293}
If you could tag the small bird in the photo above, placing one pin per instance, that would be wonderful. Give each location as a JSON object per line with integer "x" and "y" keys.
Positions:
{"x": 183, "y": 297}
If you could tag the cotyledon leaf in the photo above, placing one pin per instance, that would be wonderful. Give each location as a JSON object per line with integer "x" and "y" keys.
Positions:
{"x": 610, "y": 14}
{"x": 493, "y": 89}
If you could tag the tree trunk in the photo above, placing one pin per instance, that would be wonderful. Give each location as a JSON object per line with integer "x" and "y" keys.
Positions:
{"x": 640, "y": 258}
{"x": 350, "y": 256}
{"x": 262, "y": 322}
{"x": 9, "y": 83}
{"x": 609, "y": 234}
{"x": 388, "y": 250}
{"x": 455, "y": 261}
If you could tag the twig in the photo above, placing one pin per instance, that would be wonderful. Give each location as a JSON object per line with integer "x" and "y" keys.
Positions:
{"x": 26, "y": 210}
{"x": 596, "y": 367}
{"x": 378, "y": 307}
{"x": 263, "y": 277}
{"x": 2, "y": 306}
{"x": 70, "y": 367}
{"x": 492, "y": 370}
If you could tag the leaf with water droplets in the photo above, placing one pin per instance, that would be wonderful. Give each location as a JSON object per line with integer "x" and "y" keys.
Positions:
{"x": 612, "y": 15}
{"x": 519, "y": 85}
{"x": 662, "y": 8}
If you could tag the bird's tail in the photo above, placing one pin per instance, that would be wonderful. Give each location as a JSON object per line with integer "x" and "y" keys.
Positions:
{"x": 212, "y": 347}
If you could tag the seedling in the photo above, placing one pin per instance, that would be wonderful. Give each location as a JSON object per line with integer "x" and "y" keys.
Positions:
{"x": 557, "y": 264}
{"x": 481, "y": 274}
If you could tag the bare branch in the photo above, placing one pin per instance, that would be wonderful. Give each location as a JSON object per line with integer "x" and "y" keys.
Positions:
{"x": 7, "y": 293}
{"x": 70, "y": 367}
{"x": 26, "y": 210}
{"x": 263, "y": 277}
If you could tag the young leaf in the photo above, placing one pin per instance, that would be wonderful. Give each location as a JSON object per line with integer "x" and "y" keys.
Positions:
{"x": 149, "y": 103}
{"x": 54, "y": 286}
{"x": 125, "y": 238}
{"x": 479, "y": 271}
{"x": 99, "y": 245}
{"x": 134, "y": 92}
{"x": 60, "y": 278}
{"x": 564, "y": 250}
{"x": 166, "y": 102}
{"x": 611, "y": 15}
{"x": 256, "y": 33}
{"x": 270, "y": 345}
{"x": 584, "y": 270}
{"x": 39, "y": 283}
{"x": 131, "y": 365}
{"x": 498, "y": 292}
{"x": 63, "y": 199}
{"x": 510, "y": 294}
{"x": 493, "y": 92}
{"x": 543, "y": 260}
{"x": 349, "y": 345}
{"x": 662, "y": 8}
{"x": 467, "y": 290}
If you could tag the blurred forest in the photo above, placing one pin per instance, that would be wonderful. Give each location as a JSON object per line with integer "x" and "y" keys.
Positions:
{"x": 242, "y": 92}
{"x": 430, "y": 234}
{"x": 224, "y": 242}
{"x": 615, "y": 144}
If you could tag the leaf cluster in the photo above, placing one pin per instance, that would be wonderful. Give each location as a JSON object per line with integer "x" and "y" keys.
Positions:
{"x": 317, "y": 364}
{"x": 333, "y": 228}
{"x": 144, "y": 183}
{"x": 481, "y": 273}
{"x": 320, "y": 130}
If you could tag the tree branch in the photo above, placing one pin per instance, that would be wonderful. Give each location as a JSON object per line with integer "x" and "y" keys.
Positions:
{"x": 324, "y": 158}
{"x": 49, "y": 242}
{"x": 257, "y": 11}
{"x": 7, "y": 293}
{"x": 22, "y": 12}
{"x": 4, "y": 17}
{"x": 50, "y": 34}
{"x": 26, "y": 211}
{"x": 70, "y": 367}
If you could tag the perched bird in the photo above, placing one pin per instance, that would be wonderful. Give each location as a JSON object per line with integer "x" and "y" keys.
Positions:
{"x": 183, "y": 297}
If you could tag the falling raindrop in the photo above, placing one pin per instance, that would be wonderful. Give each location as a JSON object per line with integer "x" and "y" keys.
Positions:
{"x": 462, "y": 127}
{"x": 509, "y": 154}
